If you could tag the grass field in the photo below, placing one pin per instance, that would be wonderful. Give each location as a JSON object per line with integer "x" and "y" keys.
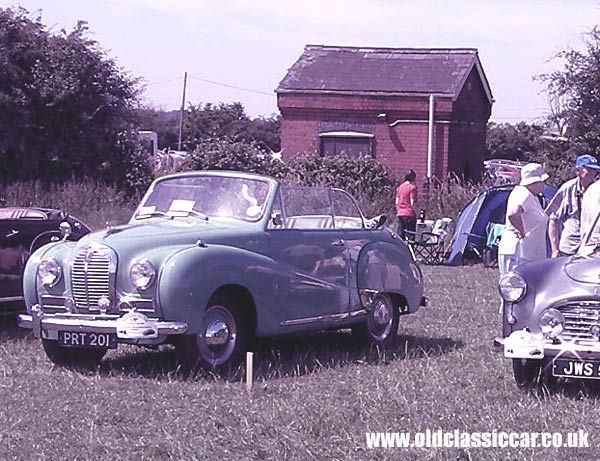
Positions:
{"x": 314, "y": 398}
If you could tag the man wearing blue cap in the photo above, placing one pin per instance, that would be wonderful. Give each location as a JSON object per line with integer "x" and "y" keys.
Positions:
{"x": 564, "y": 210}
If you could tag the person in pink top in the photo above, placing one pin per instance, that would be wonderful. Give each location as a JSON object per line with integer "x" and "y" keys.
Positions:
{"x": 406, "y": 201}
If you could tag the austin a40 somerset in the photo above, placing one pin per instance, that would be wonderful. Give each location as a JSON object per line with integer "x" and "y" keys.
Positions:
{"x": 210, "y": 260}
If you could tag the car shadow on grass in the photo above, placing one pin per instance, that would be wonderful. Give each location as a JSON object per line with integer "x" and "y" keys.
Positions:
{"x": 296, "y": 356}
{"x": 10, "y": 331}
{"x": 158, "y": 363}
{"x": 575, "y": 389}
{"x": 281, "y": 357}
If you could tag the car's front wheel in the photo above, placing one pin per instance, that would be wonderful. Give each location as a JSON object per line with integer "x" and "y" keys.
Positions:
{"x": 381, "y": 325}
{"x": 72, "y": 356}
{"x": 531, "y": 374}
{"x": 220, "y": 344}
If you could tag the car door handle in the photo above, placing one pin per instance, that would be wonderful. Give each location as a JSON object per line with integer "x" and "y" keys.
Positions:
{"x": 12, "y": 233}
{"x": 338, "y": 243}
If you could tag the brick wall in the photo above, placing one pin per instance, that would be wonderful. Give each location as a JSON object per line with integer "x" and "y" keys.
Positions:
{"x": 467, "y": 136}
{"x": 403, "y": 145}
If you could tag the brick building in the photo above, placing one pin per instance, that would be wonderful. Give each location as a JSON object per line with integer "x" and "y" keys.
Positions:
{"x": 425, "y": 109}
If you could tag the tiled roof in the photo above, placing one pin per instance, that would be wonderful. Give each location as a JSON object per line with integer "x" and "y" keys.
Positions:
{"x": 336, "y": 69}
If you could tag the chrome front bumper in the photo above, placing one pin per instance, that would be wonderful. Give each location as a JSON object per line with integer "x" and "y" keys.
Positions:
{"x": 524, "y": 345}
{"x": 101, "y": 323}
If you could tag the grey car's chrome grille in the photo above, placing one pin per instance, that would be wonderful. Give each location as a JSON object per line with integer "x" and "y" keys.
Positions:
{"x": 580, "y": 317}
{"x": 91, "y": 274}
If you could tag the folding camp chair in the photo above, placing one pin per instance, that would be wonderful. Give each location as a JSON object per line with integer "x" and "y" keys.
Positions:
{"x": 431, "y": 247}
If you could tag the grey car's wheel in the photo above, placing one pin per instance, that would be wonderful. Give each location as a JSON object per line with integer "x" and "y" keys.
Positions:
{"x": 382, "y": 321}
{"x": 220, "y": 345}
{"x": 68, "y": 356}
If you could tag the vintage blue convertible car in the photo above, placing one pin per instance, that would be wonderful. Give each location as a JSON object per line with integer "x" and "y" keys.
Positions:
{"x": 210, "y": 260}
{"x": 552, "y": 316}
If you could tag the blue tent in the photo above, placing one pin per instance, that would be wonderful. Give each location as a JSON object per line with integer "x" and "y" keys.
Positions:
{"x": 471, "y": 232}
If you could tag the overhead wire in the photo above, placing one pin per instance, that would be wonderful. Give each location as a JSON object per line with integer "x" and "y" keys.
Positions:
{"x": 212, "y": 82}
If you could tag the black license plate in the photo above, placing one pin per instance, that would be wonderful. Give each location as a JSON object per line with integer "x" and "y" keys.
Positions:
{"x": 88, "y": 340}
{"x": 576, "y": 369}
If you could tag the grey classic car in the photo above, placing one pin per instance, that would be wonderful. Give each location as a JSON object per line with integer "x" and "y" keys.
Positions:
{"x": 22, "y": 231}
{"x": 210, "y": 260}
{"x": 551, "y": 319}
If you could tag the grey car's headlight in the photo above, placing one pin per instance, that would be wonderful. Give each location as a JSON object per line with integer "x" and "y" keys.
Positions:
{"x": 512, "y": 287}
{"x": 49, "y": 272}
{"x": 552, "y": 323}
{"x": 142, "y": 274}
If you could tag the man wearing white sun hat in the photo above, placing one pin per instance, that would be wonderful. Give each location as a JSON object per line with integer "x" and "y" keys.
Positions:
{"x": 524, "y": 237}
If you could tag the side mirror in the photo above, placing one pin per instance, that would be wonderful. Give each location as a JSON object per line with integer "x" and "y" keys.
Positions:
{"x": 377, "y": 222}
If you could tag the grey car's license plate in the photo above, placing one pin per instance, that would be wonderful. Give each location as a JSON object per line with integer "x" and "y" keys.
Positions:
{"x": 89, "y": 340}
{"x": 576, "y": 369}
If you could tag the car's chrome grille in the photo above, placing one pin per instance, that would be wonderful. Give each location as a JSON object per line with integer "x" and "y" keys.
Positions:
{"x": 580, "y": 317}
{"x": 91, "y": 276}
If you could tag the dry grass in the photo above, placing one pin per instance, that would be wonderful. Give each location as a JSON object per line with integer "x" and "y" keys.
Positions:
{"x": 91, "y": 202}
{"x": 314, "y": 398}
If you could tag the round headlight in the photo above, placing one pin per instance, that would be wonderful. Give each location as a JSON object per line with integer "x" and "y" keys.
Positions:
{"x": 49, "y": 272}
{"x": 512, "y": 287}
{"x": 142, "y": 274}
{"x": 552, "y": 323}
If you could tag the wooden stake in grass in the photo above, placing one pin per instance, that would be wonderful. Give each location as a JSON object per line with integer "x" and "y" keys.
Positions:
{"x": 249, "y": 370}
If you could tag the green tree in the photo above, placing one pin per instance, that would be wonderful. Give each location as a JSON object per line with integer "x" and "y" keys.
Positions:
{"x": 514, "y": 142}
{"x": 577, "y": 87}
{"x": 65, "y": 108}
{"x": 230, "y": 121}
{"x": 532, "y": 143}
{"x": 165, "y": 124}
{"x": 209, "y": 121}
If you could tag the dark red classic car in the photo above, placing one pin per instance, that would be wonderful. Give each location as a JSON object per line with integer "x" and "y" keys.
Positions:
{"x": 22, "y": 231}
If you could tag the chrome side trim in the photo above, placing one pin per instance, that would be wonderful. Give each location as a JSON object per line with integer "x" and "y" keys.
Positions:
{"x": 39, "y": 321}
{"x": 12, "y": 299}
{"x": 331, "y": 318}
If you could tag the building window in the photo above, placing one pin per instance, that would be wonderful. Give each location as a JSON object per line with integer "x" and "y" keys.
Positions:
{"x": 349, "y": 143}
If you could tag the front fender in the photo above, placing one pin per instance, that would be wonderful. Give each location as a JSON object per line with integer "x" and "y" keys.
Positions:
{"x": 56, "y": 250}
{"x": 190, "y": 277}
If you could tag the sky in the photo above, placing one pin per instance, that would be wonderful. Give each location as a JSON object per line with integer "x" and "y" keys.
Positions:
{"x": 239, "y": 50}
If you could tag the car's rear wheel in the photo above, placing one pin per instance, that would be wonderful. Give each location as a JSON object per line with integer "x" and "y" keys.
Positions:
{"x": 221, "y": 343}
{"x": 69, "y": 356}
{"x": 381, "y": 325}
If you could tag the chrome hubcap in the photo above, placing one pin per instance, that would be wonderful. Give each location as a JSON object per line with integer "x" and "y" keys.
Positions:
{"x": 381, "y": 315}
{"x": 381, "y": 319}
{"x": 217, "y": 338}
{"x": 216, "y": 334}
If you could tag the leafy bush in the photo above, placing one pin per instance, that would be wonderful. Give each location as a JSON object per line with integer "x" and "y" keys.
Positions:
{"x": 226, "y": 154}
{"x": 369, "y": 181}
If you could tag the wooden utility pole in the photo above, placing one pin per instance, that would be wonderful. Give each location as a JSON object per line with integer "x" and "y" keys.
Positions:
{"x": 182, "y": 110}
